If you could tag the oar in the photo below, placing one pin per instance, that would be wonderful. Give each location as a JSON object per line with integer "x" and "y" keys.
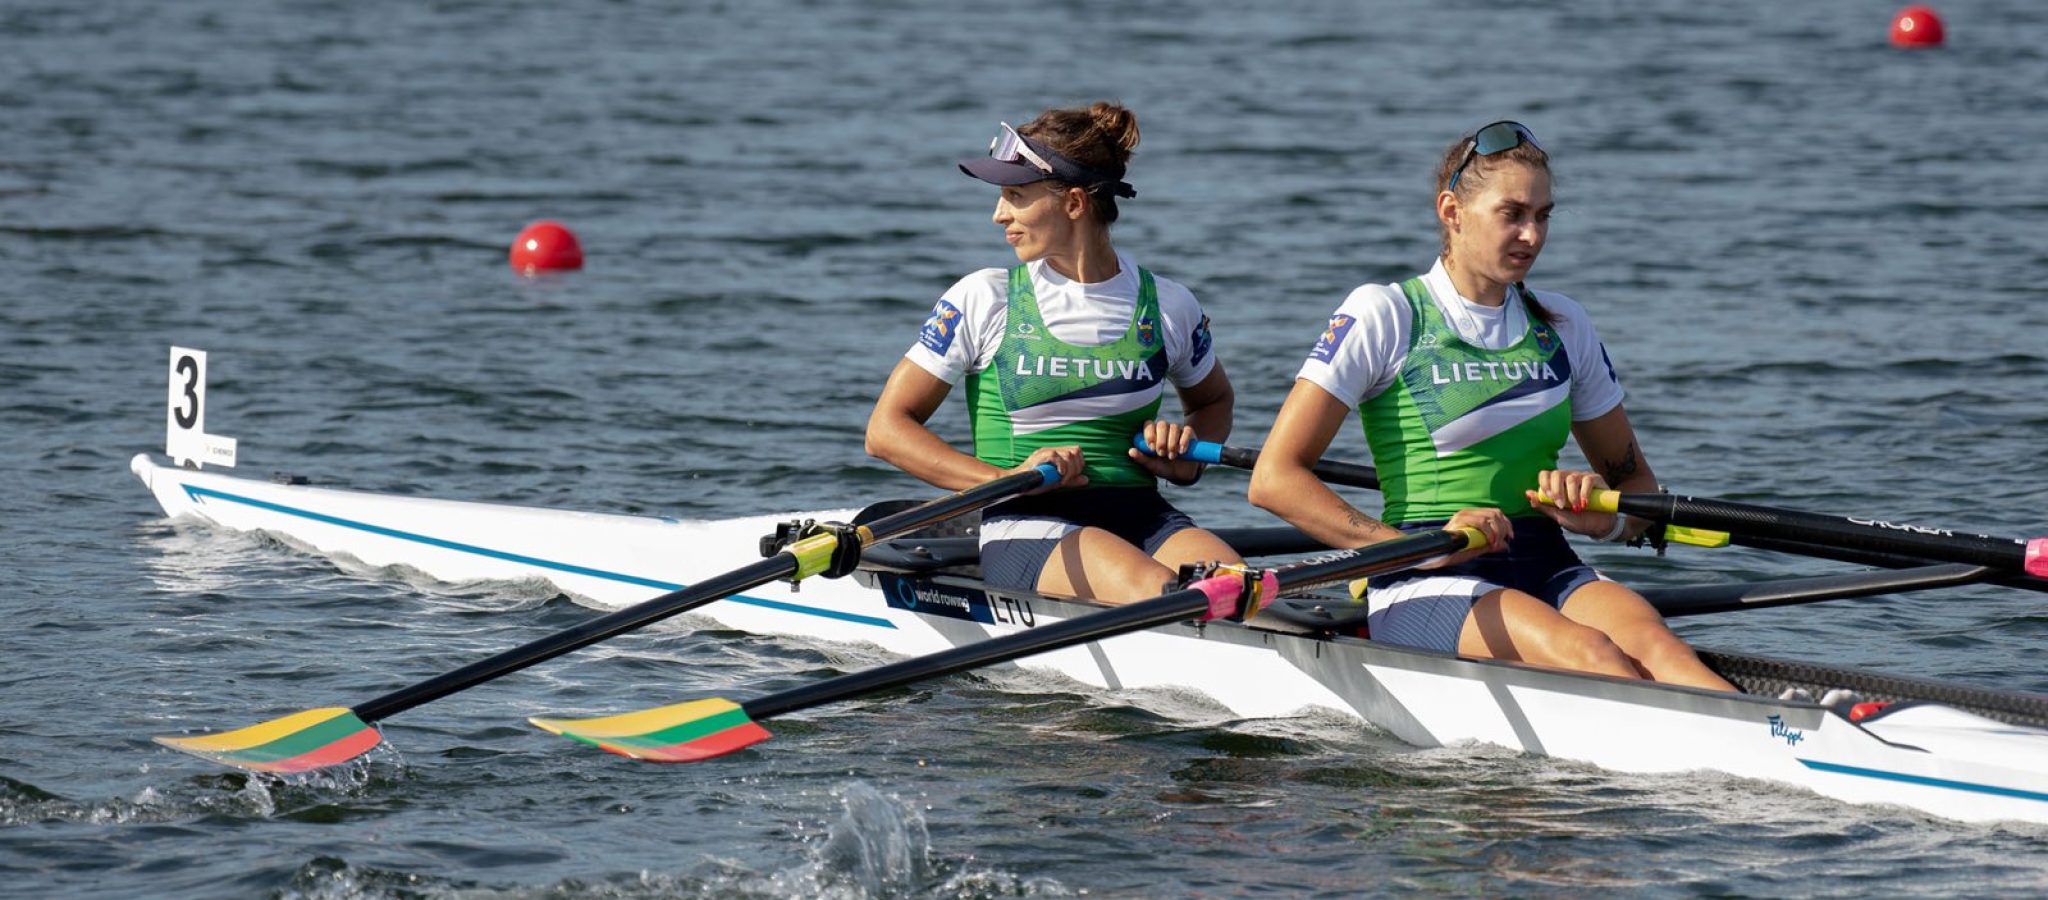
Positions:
{"x": 2012, "y": 556}
{"x": 1355, "y": 475}
{"x": 1882, "y": 560}
{"x": 702, "y": 729}
{"x": 1215, "y": 454}
{"x": 317, "y": 738}
{"x": 1695, "y": 599}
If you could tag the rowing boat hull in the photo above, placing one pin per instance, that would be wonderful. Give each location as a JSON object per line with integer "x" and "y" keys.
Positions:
{"x": 1944, "y": 761}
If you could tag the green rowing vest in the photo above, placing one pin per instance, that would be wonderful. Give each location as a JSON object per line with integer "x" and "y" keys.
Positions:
{"x": 1464, "y": 426}
{"x": 1044, "y": 392}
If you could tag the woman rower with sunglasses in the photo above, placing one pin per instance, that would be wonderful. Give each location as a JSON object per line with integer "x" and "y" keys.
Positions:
{"x": 1066, "y": 357}
{"x": 1468, "y": 383}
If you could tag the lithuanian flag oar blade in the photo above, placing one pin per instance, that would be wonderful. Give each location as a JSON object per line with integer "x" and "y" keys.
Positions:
{"x": 300, "y": 742}
{"x": 684, "y": 732}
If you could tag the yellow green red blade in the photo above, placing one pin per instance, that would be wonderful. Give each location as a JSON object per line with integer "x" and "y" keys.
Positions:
{"x": 300, "y": 742}
{"x": 684, "y": 732}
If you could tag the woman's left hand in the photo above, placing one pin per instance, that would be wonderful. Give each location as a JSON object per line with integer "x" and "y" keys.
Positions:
{"x": 1169, "y": 443}
{"x": 1569, "y": 494}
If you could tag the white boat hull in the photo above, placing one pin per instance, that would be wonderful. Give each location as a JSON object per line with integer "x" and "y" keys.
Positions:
{"x": 1945, "y": 761}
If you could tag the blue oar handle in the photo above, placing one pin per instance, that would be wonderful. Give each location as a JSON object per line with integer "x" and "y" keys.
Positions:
{"x": 1208, "y": 452}
{"x": 1047, "y": 472}
{"x": 1216, "y": 454}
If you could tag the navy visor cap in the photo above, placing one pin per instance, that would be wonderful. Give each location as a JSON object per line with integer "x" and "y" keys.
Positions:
{"x": 1021, "y": 170}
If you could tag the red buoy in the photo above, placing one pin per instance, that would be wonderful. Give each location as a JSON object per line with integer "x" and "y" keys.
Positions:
{"x": 1916, "y": 26}
{"x": 545, "y": 246}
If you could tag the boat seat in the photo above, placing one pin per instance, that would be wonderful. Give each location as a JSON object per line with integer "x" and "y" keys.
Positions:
{"x": 1334, "y": 613}
{"x": 919, "y": 555}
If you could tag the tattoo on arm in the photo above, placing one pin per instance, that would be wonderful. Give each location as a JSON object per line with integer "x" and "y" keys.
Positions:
{"x": 1367, "y": 524}
{"x": 1624, "y": 468}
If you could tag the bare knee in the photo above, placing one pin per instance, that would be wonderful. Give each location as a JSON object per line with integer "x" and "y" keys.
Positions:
{"x": 1140, "y": 582}
{"x": 1588, "y": 650}
{"x": 1663, "y": 651}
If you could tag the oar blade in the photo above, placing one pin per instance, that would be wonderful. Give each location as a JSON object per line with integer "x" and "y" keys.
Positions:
{"x": 680, "y": 733}
{"x": 300, "y": 742}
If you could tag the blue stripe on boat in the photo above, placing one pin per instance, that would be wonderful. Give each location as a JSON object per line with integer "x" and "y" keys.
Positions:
{"x": 1882, "y": 775}
{"x": 196, "y": 493}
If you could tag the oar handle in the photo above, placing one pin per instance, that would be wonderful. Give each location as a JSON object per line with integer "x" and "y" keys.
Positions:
{"x": 2008, "y": 554}
{"x": 1215, "y": 454}
{"x": 1207, "y": 452}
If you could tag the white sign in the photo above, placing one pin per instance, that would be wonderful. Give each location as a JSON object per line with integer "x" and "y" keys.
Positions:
{"x": 185, "y": 439}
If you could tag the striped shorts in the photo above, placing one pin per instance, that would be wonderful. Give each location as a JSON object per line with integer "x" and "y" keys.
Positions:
{"x": 1427, "y": 609}
{"x": 1018, "y": 536}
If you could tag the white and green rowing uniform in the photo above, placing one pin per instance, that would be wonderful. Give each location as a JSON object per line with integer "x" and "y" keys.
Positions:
{"x": 1050, "y": 361}
{"x": 1462, "y": 403}
{"x": 1462, "y": 406}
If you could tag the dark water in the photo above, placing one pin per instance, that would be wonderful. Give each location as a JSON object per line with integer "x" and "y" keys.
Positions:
{"x": 1817, "y": 261}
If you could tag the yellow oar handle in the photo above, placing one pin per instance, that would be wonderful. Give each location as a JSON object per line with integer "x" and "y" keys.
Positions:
{"x": 1603, "y": 501}
{"x": 1610, "y": 502}
{"x": 1474, "y": 538}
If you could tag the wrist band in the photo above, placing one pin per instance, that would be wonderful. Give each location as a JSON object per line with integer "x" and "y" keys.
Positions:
{"x": 1613, "y": 535}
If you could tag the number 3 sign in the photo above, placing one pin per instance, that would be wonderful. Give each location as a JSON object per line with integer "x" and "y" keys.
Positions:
{"x": 185, "y": 439}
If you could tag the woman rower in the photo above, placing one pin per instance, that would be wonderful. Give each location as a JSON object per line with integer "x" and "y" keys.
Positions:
{"x": 1468, "y": 383}
{"x": 1066, "y": 357}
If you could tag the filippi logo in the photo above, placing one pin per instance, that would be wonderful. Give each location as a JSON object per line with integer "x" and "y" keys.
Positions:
{"x": 1791, "y": 735}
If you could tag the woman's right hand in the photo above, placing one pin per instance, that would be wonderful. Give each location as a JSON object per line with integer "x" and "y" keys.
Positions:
{"x": 1067, "y": 459}
{"x": 1491, "y": 522}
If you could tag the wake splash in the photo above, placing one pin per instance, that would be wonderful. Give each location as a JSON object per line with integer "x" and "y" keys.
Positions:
{"x": 233, "y": 794}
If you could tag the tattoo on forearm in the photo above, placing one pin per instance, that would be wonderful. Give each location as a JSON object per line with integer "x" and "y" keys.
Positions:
{"x": 1623, "y": 469}
{"x": 1366, "y": 523}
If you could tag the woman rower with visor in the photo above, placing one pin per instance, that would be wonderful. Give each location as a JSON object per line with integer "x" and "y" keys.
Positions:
{"x": 1066, "y": 357}
{"x": 1468, "y": 383}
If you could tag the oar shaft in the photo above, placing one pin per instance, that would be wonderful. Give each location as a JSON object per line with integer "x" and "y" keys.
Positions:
{"x": 2005, "y": 554}
{"x": 1332, "y": 471}
{"x": 1162, "y": 610}
{"x": 1696, "y": 599}
{"x": 1192, "y": 602}
{"x": 785, "y": 564}
{"x": 1868, "y": 558}
{"x": 781, "y": 565}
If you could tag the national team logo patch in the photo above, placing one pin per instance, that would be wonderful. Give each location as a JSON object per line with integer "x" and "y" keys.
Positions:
{"x": 1201, "y": 342}
{"x": 1333, "y": 336}
{"x": 1148, "y": 331}
{"x": 1546, "y": 339}
{"x": 937, "y": 333}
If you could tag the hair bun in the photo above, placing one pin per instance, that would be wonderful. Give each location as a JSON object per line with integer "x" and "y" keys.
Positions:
{"x": 1116, "y": 123}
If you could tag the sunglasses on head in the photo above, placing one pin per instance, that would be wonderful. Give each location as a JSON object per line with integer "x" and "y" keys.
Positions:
{"x": 1498, "y": 137}
{"x": 1009, "y": 146}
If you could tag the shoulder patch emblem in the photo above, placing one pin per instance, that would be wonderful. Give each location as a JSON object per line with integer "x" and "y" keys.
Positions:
{"x": 1200, "y": 345}
{"x": 938, "y": 331}
{"x": 1333, "y": 337}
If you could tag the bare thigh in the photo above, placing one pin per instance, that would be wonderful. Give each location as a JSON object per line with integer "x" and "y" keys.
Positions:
{"x": 1639, "y": 630}
{"x": 1193, "y": 545}
{"x": 1511, "y": 625}
{"x": 1096, "y": 564}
